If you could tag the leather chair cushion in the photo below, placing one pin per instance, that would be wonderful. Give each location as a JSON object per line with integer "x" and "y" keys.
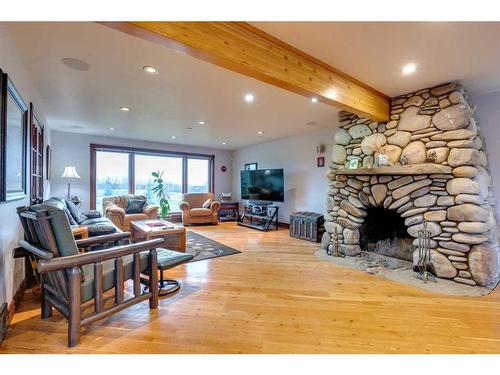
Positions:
{"x": 108, "y": 274}
{"x": 197, "y": 212}
{"x": 169, "y": 258}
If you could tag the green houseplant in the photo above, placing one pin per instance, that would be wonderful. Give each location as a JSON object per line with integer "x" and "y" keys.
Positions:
{"x": 159, "y": 190}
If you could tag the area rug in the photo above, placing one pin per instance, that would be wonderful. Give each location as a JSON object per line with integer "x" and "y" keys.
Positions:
{"x": 204, "y": 248}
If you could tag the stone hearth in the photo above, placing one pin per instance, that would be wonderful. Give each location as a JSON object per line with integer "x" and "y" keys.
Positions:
{"x": 438, "y": 173}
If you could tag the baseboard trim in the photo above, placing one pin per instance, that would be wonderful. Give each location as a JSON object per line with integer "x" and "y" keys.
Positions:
{"x": 16, "y": 300}
{"x": 284, "y": 225}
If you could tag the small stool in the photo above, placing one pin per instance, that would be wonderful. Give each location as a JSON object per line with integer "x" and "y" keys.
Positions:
{"x": 168, "y": 259}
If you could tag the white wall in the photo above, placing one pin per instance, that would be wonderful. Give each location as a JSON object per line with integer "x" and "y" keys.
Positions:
{"x": 488, "y": 116}
{"x": 12, "y": 271}
{"x": 74, "y": 149}
{"x": 305, "y": 183}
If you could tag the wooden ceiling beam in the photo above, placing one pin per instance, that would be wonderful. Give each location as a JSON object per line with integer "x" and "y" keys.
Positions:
{"x": 240, "y": 47}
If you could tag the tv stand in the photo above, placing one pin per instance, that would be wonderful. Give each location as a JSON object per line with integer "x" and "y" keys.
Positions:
{"x": 260, "y": 215}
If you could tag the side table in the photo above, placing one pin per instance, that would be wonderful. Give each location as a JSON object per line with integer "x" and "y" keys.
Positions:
{"x": 229, "y": 211}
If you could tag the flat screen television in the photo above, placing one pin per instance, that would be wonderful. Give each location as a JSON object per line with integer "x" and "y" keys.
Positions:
{"x": 263, "y": 185}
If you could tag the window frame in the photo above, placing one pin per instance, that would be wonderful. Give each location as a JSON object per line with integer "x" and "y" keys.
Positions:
{"x": 132, "y": 151}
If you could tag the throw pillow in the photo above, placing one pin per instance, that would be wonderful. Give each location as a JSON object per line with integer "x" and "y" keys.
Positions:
{"x": 207, "y": 203}
{"x": 75, "y": 212}
{"x": 135, "y": 206}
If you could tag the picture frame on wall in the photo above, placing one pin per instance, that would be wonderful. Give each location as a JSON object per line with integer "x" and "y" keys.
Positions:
{"x": 13, "y": 135}
{"x": 320, "y": 161}
{"x": 251, "y": 167}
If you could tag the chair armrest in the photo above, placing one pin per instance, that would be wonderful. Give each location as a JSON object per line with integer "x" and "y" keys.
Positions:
{"x": 35, "y": 250}
{"x": 114, "y": 209}
{"x": 61, "y": 263}
{"x": 92, "y": 214}
{"x": 184, "y": 206}
{"x": 215, "y": 205}
{"x": 86, "y": 242}
{"x": 148, "y": 210}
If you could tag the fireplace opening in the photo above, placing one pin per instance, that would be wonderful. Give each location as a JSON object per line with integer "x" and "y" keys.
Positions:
{"x": 384, "y": 232}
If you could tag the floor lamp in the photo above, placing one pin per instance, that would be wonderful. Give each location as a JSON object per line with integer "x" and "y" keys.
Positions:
{"x": 70, "y": 173}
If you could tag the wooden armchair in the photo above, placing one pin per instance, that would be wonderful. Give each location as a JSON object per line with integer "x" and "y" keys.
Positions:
{"x": 71, "y": 281}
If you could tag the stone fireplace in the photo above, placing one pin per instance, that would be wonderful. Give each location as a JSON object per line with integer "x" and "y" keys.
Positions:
{"x": 437, "y": 172}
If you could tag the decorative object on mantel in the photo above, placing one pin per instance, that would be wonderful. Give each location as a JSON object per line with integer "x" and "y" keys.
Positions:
{"x": 71, "y": 174}
{"x": 424, "y": 267}
{"x": 320, "y": 149}
{"x": 453, "y": 193}
{"x": 320, "y": 161}
{"x": 353, "y": 164}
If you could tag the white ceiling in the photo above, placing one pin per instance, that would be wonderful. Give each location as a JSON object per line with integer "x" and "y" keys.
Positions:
{"x": 374, "y": 52}
{"x": 186, "y": 90}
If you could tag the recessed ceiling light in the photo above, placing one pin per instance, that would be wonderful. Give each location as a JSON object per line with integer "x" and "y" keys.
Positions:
{"x": 260, "y": 132}
{"x": 173, "y": 137}
{"x": 224, "y": 143}
{"x": 409, "y": 68}
{"x": 111, "y": 128}
{"x": 150, "y": 69}
{"x": 314, "y": 100}
{"x": 249, "y": 98}
{"x": 201, "y": 122}
{"x": 125, "y": 109}
{"x": 75, "y": 64}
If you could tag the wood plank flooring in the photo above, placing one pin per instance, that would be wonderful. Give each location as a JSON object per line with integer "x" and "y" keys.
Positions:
{"x": 275, "y": 297}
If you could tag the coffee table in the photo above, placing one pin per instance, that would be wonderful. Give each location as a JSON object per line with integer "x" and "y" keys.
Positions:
{"x": 174, "y": 236}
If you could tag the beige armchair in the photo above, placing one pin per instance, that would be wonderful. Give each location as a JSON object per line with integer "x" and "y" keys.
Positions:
{"x": 114, "y": 208}
{"x": 193, "y": 211}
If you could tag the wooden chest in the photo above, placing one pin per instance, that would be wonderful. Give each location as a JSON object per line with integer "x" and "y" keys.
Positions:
{"x": 307, "y": 225}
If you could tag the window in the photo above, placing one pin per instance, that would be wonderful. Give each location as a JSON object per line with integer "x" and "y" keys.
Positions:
{"x": 121, "y": 170}
{"x": 172, "y": 175}
{"x": 111, "y": 175}
{"x": 198, "y": 176}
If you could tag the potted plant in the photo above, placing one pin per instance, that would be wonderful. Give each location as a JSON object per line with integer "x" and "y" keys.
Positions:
{"x": 159, "y": 191}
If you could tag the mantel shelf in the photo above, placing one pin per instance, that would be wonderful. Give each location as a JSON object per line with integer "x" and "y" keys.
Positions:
{"x": 397, "y": 170}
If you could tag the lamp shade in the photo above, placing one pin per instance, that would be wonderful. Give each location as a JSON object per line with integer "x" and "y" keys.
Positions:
{"x": 70, "y": 172}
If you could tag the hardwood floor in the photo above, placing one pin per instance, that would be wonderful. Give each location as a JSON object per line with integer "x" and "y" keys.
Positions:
{"x": 275, "y": 297}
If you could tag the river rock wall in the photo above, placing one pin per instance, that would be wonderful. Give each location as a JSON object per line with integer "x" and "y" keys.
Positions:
{"x": 430, "y": 126}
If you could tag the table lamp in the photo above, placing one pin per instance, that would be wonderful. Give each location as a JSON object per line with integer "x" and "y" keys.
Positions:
{"x": 70, "y": 173}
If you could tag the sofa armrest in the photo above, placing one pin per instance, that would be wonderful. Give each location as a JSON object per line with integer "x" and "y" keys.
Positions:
{"x": 184, "y": 206}
{"x": 113, "y": 209}
{"x": 92, "y": 214}
{"x": 214, "y": 206}
{"x": 151, "y": 211}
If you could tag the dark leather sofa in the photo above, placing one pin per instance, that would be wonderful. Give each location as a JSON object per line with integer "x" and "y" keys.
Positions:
{"x": 93, "y": 220}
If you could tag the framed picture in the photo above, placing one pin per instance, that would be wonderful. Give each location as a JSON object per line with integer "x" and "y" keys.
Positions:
{"x": 13, "y": 128}
{"x": 48, "y": 158}
{"x": 320, "y": 161}
{"x": 251, "y": 167}
{"x": 353, "y": 164}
